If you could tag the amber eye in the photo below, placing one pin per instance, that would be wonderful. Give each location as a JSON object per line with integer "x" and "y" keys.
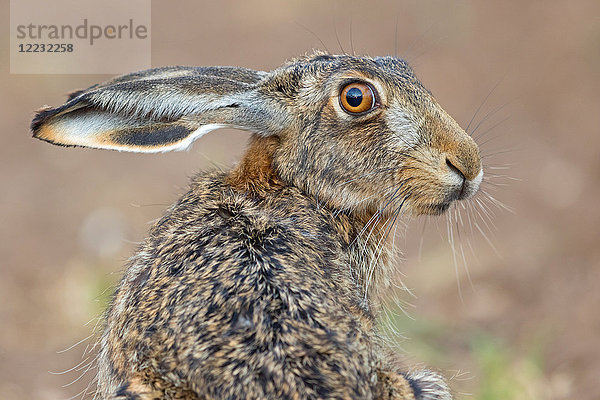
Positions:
{"x": 357, "y": 98}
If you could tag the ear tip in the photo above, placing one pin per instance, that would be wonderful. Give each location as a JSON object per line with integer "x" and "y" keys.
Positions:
{"x": 46, "y": 112}
{"x": 41, "y": 115}
{"x": 41, "y": 131}
{"x": 40, "y": 126}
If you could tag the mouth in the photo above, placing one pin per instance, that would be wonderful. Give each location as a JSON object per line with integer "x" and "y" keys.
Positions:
{"x": 465, "y": 190}
{"x": 435, "y": 208}
{"x": 427, "y": 196}
{"x": 470, "y": 186}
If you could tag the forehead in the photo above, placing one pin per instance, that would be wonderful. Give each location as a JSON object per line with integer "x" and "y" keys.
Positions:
{"x": 390, "y": 71}
{"x": 392, "y": 74}
{"x": 392, "y": 66}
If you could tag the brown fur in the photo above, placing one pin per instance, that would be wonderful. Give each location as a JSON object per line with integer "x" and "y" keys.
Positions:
{"x": 255, "y": 172}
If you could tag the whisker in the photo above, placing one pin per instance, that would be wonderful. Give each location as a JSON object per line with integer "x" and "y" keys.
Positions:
{"x": 416, "y": 42}
{"x": 396, "y": 38}
{"x": 499, "y": 167}
{"x": 351, "y": 42}
{"x": 421, "y": 241}
{"x": 487, "y": 239}
{"x": 487, "y": 213}
{"x": 484, "y": 156}
{"x": 462, "y": 249}
{"x": 486, "y": 117}
{"x": 337, "y": 37}
{"x": 452, "y": 247}
{"x": 315, "y": 35}
{"x": 79, "y": 377}
{"x": 490, "y": 129}
{"x": 498, "y": 203}
{"x": 486, "y": 177}
{"x": 75, "y": 345}
{"x": 482, "y": 104}
{"x": 389, "y": 223}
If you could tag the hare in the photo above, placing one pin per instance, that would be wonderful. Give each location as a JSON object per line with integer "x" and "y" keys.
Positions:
{"x": 258, "y": 282}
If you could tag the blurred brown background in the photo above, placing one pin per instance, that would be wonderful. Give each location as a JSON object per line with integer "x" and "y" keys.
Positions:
{"x": 528, "y": 325}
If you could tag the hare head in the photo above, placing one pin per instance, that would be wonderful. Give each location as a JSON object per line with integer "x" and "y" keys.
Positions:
{"x": 359, "y": 134}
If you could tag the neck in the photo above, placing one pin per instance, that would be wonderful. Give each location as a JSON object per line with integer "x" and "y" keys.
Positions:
{"x": 255, "y": 173}
{"x": 365, "y": 233}
{"x": 372, "y": 254}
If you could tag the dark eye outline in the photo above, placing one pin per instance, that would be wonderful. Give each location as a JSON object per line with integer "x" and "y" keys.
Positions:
{"x": 375, "y": 97}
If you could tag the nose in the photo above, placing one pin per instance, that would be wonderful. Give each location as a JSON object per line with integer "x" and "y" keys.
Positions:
{"x": 462, "y": 159}
{"x": 464, "y": 162}
{"x": 468, "y": 187}
{"x": 454, "y": 169}
{"x": 461, "y": 151}
{"x": 458, "y": 148}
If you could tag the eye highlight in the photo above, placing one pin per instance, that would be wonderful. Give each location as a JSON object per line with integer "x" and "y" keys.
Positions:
{"x": 357, "y": 98}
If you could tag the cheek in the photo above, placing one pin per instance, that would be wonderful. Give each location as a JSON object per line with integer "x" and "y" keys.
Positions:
{"x": 359, "y": 142}
{"x": 424, "y": 177}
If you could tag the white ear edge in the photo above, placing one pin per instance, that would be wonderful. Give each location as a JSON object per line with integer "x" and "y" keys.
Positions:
{"x": 185, "y": 143}
{"x": 90, "y": 130}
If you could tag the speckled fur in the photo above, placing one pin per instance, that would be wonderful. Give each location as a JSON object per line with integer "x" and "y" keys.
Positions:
{"x": 256, "y": 283}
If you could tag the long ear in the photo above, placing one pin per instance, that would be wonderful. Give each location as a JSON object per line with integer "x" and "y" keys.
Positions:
{"x": 162, "y": 109}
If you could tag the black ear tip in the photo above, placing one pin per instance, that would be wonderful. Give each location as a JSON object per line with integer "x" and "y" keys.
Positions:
{"x": 40, "y": 128}
{"x": 40, "y": 117}
{"x": 44, "y": 114}
{"x": 42, "y": 131}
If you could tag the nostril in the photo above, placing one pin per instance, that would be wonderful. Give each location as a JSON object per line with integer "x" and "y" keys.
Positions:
{"x": 453, "y": 168}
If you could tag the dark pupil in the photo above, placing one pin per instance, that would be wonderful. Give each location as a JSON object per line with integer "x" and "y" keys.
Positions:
{"x": 354, "y": 97}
